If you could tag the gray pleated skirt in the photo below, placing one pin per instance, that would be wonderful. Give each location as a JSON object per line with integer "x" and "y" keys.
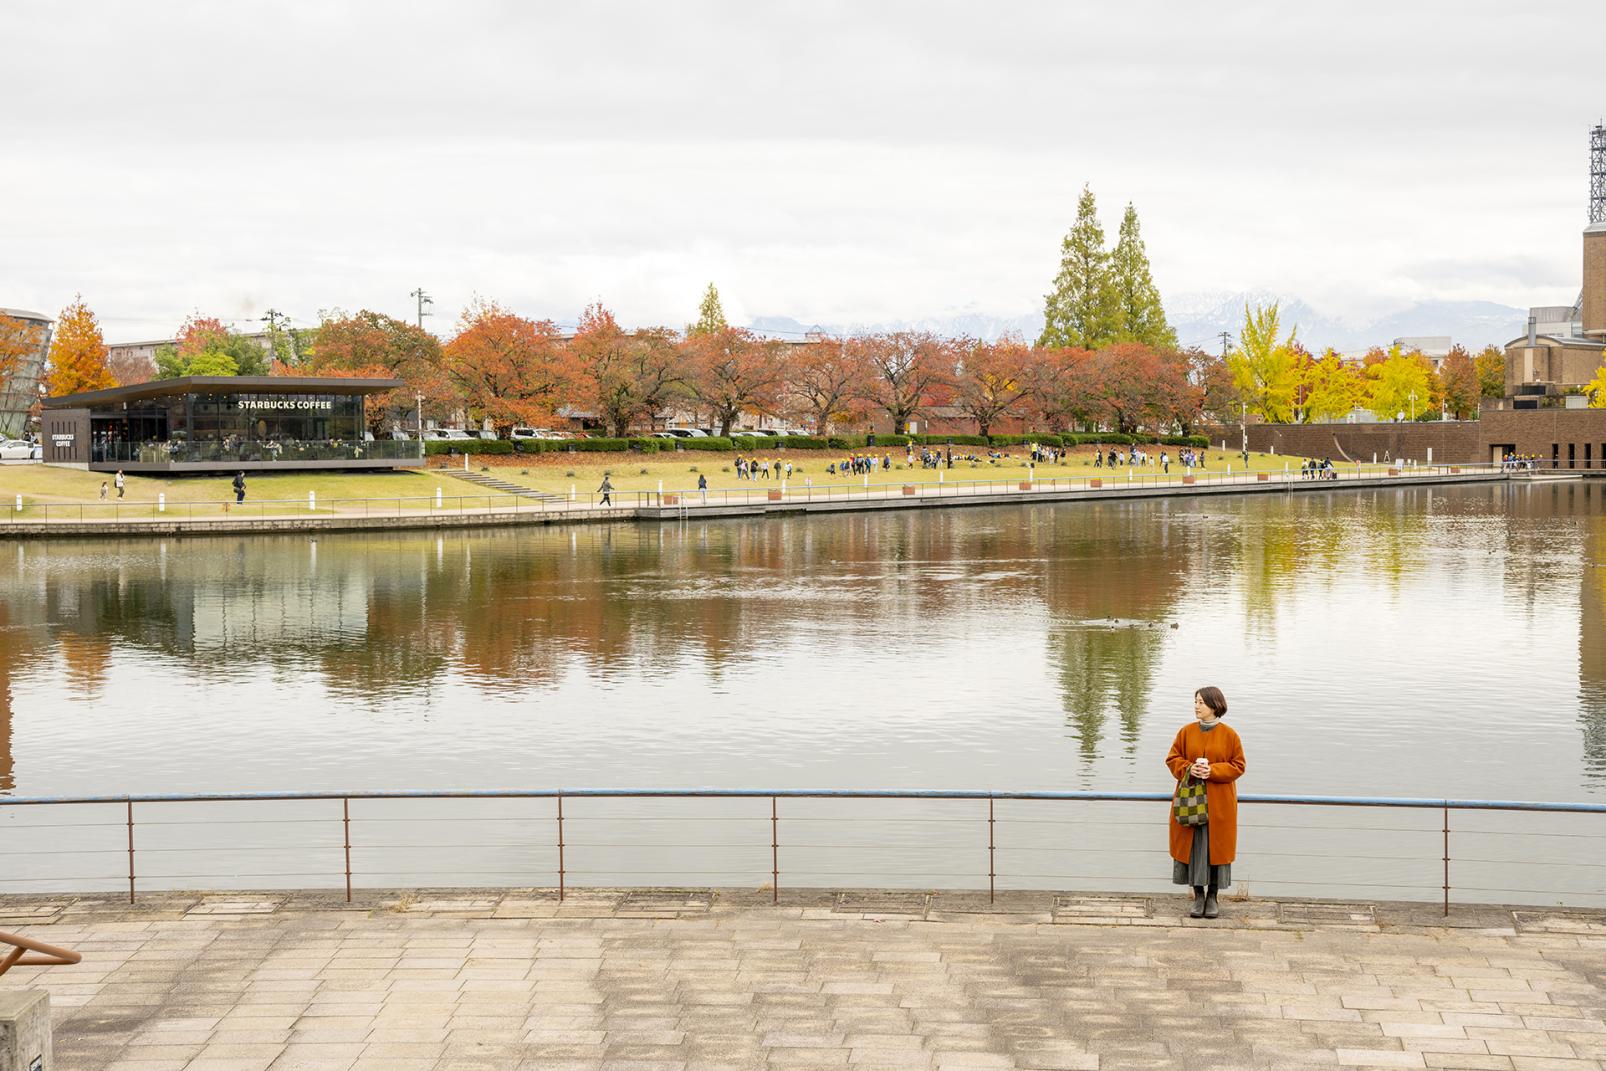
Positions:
{"x": 1197, "y": 870}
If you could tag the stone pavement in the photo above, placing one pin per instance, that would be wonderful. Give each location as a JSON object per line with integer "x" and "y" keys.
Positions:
{"x": 691, "y": 979}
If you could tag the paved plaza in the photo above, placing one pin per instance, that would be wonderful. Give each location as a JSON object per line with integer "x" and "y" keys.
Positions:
{"x": 672, "y": 979}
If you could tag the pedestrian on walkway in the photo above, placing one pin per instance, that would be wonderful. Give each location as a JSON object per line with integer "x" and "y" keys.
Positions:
{"x": 103, "y": 490}
{"x": 117, "y": 481}
{"x": 702, "y": 485}
{"x": 239, "y": 487}
{"x": 606, "y": 490}
{"x": 1207, "y": 750}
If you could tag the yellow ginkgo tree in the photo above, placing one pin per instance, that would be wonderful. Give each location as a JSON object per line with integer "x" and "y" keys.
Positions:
{"x": 1596, "y": 388}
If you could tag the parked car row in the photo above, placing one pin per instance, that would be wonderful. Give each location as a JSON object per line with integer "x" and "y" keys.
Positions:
{"x": 704, "y": 433}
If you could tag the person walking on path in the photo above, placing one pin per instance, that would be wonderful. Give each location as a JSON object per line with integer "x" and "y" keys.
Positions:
{"x": 103, "y": 490}
{"x": 1209, "y": 751}
{"x": 117, "y": 482}
{"x": 702, "y": 485}
{"x": 606, "y": 490}
{"x": 239, "y": 487}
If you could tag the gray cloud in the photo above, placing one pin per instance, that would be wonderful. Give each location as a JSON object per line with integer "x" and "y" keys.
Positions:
{"x": 833, "y": 161}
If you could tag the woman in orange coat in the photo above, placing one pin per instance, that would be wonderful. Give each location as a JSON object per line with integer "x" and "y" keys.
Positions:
{"x": 1208, "y": 749}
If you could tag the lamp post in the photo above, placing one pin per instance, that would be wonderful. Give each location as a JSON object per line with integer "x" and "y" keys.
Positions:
{"x": 419, "y": 398}
{"x": 1243, "y": 425}
{"x": 1412, "y": 396}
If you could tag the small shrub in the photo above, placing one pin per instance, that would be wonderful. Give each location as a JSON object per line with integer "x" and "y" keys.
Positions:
{"x": 524, "y": 472}
{"x": 570, "y": 474}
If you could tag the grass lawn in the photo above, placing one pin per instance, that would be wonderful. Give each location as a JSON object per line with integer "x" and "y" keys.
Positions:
{"x": 679, "y": 471}
{"x": 41, "y": 485}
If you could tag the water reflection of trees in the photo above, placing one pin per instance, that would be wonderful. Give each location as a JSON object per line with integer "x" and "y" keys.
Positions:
{"x": 384, "y": 616}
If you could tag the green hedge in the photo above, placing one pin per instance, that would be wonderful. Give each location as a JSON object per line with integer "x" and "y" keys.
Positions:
{"x": 437, "y": 447}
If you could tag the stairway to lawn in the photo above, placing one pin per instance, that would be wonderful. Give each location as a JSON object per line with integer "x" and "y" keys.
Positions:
{"x": 489, "y": 482}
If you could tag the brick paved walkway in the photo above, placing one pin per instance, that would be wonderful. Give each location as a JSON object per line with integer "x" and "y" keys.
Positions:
{"x": 642, "y": 981}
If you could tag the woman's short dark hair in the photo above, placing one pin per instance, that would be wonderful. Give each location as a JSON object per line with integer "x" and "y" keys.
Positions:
{"x": 1213, "y": 699}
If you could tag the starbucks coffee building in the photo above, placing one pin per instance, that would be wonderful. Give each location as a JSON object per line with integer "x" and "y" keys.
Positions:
{"x": 222, "y": 424}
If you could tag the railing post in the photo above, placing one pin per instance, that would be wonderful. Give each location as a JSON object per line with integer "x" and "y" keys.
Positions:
{"x": 560, "y": 846}
{"x": 1447, "y": 859}
{"x": 130, "y": 851}
{"x": 345, "y": 821}
{"x": 992, "y": 872}
{"x": 775, "y": 854}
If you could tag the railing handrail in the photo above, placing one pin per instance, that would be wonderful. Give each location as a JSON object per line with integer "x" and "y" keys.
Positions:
{"x": 803, "y": 793}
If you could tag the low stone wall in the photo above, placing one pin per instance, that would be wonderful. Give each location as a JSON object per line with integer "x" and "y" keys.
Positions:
{"x": 1560, "y": 434}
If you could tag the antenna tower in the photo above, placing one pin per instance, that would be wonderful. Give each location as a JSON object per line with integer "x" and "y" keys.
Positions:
{"x": 1597, "y": 175}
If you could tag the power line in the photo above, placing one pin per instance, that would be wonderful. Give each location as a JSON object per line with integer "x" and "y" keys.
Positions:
{"x": 423, "y": 300}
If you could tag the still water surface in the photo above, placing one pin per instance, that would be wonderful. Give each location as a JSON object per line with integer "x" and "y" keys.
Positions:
{"x": 1416, "y": 642}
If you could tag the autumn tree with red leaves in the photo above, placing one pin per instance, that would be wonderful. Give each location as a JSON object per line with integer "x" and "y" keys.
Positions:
{"x": 909, "y": 371}
{"x": 20, "y": 341}
{"x": 371, "y": 345}
{"x": 992, "y": 379}
{"x": 828, "y": 383}
{"x": 626, "y": 376}
{"x": 732, "y": 372}
{"x": 508, "y": 369}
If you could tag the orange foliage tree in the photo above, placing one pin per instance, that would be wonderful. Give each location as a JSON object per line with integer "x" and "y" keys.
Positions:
{"x": 910, "y": 370}
{"x": 371, "y": 345}
{"x": 1459, "y": 377}
{"x": 828, "y": 383}
{"x": 993, "y": 378}
{"x": 508, "y": 369}
{"x": 77, "y": 360}
{"x": 626, "y": 376}
{"x": 734, "y": 372}
{"x": 19, "y": 340}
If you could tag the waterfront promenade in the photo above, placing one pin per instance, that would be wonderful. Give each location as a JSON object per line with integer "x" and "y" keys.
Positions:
{"x": 501, "y": 510}
{"x": 645, "y": 980}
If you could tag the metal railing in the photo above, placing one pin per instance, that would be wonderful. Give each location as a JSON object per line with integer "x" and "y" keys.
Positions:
{"x": 181, "y": 451}
{"x": 760, "y": 492}
{"x": 763, "y": 842}
{"x": 43, "y": 955}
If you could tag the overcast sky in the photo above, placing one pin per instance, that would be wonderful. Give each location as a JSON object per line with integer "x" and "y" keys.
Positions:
{"x": 835, "y": 162}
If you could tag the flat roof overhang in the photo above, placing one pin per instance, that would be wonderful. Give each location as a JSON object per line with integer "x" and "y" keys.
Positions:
{"x": 159, "y": 388}
{"x": 365, "y": 464}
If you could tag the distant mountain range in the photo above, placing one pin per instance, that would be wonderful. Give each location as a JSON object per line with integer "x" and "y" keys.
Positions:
{"x": 1199, "y": 320}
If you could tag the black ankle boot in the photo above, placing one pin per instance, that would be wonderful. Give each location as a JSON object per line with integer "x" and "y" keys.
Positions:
{"x": 1199, "y": 903}
{"x": 1210, "y": 909}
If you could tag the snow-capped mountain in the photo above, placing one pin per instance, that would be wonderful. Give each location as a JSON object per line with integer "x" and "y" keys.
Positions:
{"x": 1200, "y": 318}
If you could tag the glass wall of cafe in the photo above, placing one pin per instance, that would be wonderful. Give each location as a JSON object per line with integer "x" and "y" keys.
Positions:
{"x": 228, "y": 420}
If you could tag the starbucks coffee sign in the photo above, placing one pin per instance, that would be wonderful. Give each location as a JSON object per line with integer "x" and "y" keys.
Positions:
{"x": 285, "y": 404}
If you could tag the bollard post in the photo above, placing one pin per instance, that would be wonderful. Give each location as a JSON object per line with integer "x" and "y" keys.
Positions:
{"x": 25, "y": 1030}
{"x": 312, "y": 500}
{"x": 19, "y": 503}
{"x": 161, "y": 502}
{"x": 571, "y": 492}
{"x": 437, "y": 498}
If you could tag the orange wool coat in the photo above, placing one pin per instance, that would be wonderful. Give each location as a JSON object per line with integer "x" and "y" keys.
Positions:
{"x": 1226, "y": 754}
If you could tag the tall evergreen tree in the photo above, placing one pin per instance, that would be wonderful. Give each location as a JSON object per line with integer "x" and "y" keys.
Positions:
{"x": 1084, "y": 308}
{"x": 77, "y": 359}
{"x": 710, "y": 316}
{"x": 1142, "y": 318}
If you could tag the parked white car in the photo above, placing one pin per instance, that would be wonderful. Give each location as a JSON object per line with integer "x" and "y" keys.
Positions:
{"x": 453, "y": 434}
{"x": 20, "y": 450}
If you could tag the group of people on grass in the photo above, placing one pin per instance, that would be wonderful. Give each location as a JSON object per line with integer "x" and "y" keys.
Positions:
{"x": 749, "y": 468}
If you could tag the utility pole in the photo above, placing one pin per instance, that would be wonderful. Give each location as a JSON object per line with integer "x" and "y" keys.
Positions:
{"x": 424, "y": 301}
{"x": 273, "y": 317}
{"x": 1226, "y": 343}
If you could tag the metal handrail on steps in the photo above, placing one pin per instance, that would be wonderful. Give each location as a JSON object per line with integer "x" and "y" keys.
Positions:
{"x": 44, "y": 955}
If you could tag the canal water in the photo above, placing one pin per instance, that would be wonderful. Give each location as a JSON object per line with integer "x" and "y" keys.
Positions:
{"x": 1418, "y": 642}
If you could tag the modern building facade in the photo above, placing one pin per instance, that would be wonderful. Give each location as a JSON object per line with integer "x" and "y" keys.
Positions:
{"x": 222, "y": 424}
{"x": 1564, "y": 345}
{"x": 25, "y": 335}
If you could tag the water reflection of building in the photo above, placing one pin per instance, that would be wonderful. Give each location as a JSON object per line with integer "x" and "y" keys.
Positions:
{"x": 1592, "y": 631}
